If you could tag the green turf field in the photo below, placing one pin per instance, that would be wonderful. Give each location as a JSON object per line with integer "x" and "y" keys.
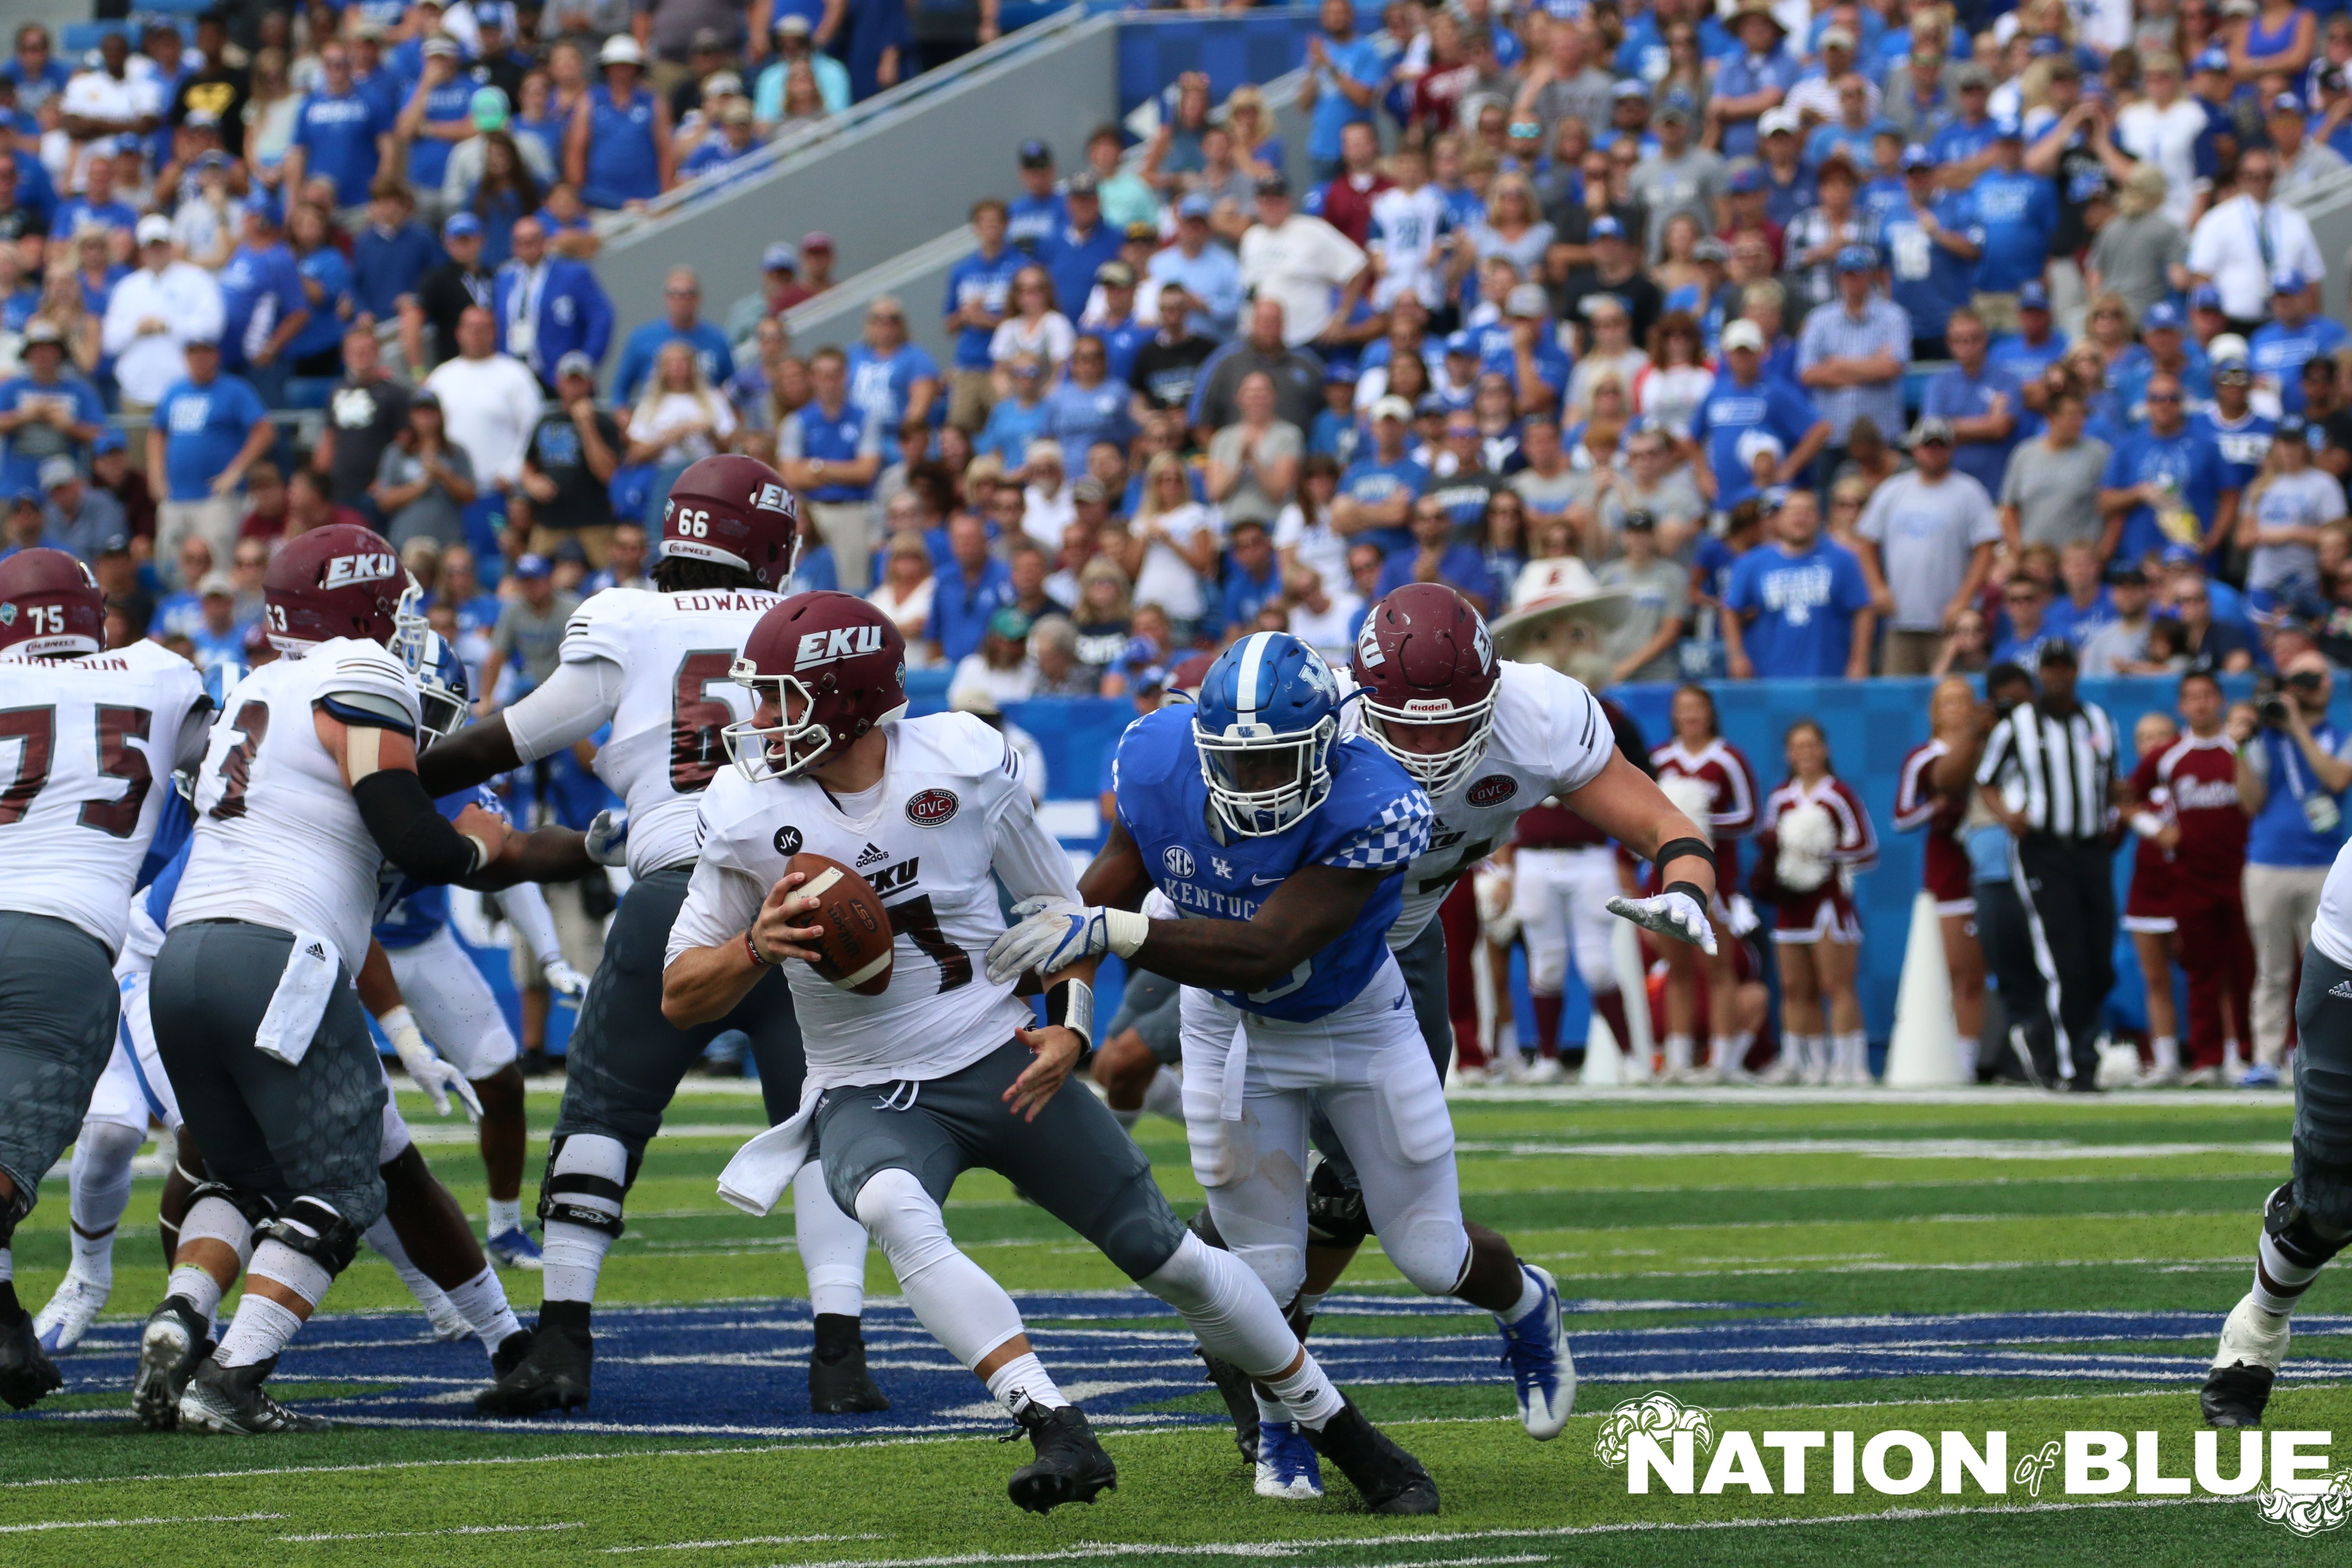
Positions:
{"x": 1826, "y": 1261}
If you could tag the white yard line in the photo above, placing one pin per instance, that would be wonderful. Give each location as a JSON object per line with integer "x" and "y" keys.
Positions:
{"x": 741, "y": 1541}
{"x": 128, "y": 1523}
{"x": 445, "y": 1530}
{"x": 1880, "y": 1148}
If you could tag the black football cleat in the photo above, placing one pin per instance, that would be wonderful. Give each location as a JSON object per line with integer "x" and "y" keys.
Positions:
{"x": 2253, "y": 1346}
{"x": 550, "y": 1374}
{"x": 1390, "y": 1480}
{"x": 1241, "y": 1400}
{"x": 231, "y": 1400}
{"x": 27, "y": 1374}
{"x": 1070, "y": 1465}
{"x": 169, "y": 1346}
{"x": 2236, "y": 1395}
{"x": 511, "y": 1352}
{"x": 838, "y": 1382}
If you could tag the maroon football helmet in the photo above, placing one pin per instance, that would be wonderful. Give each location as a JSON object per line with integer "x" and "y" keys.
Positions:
{"x": 735, "y": 510}
{"x": 1423, "y": 658}
{"x": 340, "y": 581}
{"x": 835, "y": 667}
{"x": 50, "y": 605}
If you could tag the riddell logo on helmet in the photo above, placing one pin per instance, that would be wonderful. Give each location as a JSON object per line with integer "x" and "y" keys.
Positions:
{"x": 842, "y": 642}
{"x": 1430, "y": 707}
{"x": 342, "y": 571}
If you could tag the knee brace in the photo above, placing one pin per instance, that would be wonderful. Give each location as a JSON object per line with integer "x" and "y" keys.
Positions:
{"x": 900, "y": 1215}
{"x": 588, "y": 1179}
{"x": 317, "y": 1229}
{"x": 212, "y": 1215}
{"x": 252, "y": 1207}
{"x": 2302, "y": 1235}
{"x": 1204, "y": 1225}
{"x": 21, "y": 1196}
{"x": 1335, "y": 1211}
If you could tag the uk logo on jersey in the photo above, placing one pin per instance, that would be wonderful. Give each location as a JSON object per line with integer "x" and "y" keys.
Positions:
{"x": 1177, "y": 860}
{"x": 342, "y": 571}
{"x": 1223, "y": 868}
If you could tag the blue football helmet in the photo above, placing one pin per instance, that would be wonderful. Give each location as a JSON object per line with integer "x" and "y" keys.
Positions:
{"x": 440, "y": 687}
{"x": 1267, "y": 712}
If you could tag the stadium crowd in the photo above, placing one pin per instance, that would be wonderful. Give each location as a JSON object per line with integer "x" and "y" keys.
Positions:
{"x": 1831, "y": 340}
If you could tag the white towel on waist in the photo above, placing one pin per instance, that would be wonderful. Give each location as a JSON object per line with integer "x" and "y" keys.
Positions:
{"x": 300, "y": 1000}
{"x": 762, "y": 1170}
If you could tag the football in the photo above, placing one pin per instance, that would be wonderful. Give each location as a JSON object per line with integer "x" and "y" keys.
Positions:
{"x": 857, "y": 937}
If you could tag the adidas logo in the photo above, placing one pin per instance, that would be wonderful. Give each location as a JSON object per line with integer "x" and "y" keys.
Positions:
{"x": 874, "y": 855}
{"x": 2341, "y": 988}
{"x": 317, "y": 951}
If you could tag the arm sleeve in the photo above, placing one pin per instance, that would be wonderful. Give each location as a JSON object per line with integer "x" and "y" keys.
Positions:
{"x": 410, "y": 829}
{"x": 525, "y": 909}
{"x": 570, "y": 705}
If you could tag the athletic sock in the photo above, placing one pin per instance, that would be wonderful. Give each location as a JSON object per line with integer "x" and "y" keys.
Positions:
{"x": 1308, "y": 1396}
{"x": 2279, "y": 1283}
{"x": 262, "y": 1326}
{"x": 1023, "y": 1380}
{"x": 1611, "y": 1006}
{"x": 1724, "y": 1056}
{"x": 1268, "y": 1407}
{"x": 1969, "y": 1052}
{"x": 1531, "y": 1294}
{"x": 571, "y": 1257}
{"x": 386, "y": 1242}
{"x": 2233, "y": 1062}
{"x": 1127, "y": 1118}
{"x": 505, "y": 1215}
{"x": 1678, "y": 1053}
{"x": 572, "y": 1254}
{"x": 198, "y": 1288}
{"x": 2163, "y": 1053}
{"x": 1853, "y": 1054}
{"x": 832, "y": 1246}
{"x": 1547, "y": 1011}
{"x": 482, "y": 1302}
{"x": 101, "y": 1191}
{"x": 1164, "y": 1096}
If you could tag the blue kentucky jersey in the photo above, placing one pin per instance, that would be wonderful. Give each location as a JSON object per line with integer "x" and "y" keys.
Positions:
{"x": 406, "y": 913}
{"x": 1374, "y": 817}
{"x": 167, "y": 855}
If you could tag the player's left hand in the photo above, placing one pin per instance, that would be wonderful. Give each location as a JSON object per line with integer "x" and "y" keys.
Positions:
{"x": 608, "y": 838}
{"x": 1671, "y": 913}
{"x": 438, "y": 1077}
{"x": 1047, "y": 935}
{"x": 564, "y": 980}
{"x": 1057, "y": 1050}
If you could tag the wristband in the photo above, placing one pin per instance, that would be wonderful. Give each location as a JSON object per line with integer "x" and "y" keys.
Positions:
{"x": 481, "y": 853}
{"x": 1125, "y": 931}
{"x": 1689, "y": 890}
{"x": 393, "y": 1022}
{"x": 1681, "y": 849}
{"x": 1071, "y": 1004}
{"x": 752, "y": 946}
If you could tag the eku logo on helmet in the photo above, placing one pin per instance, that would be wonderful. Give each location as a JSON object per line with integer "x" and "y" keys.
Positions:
{"x": 1486, "y": 646}
{"x": 343, "y": 570}
{"x": 842, "y": 642}
{"x": 773, "y": 497}
{"x": 1368, "y": 644}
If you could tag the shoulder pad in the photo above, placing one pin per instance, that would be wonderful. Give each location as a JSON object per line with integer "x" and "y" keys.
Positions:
{"x": 1156, "y": 746}
{"x": 600, "y": 627}
{"x": 362, "y": 668}
{"x": 955, "y": 743}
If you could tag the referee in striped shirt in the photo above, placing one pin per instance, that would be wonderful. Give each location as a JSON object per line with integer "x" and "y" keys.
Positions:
{"x": 2048, "y": 774}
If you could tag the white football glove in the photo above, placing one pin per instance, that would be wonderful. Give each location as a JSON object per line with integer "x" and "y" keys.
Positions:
{"x": 562, "y": 979}
{"x": 608, "y": 838}
{"x": 430, "y": 1073}
{"x": 1051, "y": 935}
{"x": 1671, "y": 913}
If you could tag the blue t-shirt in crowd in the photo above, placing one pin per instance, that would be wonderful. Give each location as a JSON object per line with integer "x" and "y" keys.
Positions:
{"x": 2018, "y": 213}
{"x": 2277, "y": 354}
{"x": 203, "y": 429}
{"x": 645, "y": 344}
{"x": 386, "y": 266}
{"x": 1955, "y": 394}
{"x": 2129, "y": 376}
{"x": 1243, "y": 596}
{"x": 841, "y": 437}
{"x": 1743, "y": 74}
{"x": 337, "y": 134}
{"x": 1804, "y": 606}
{"x": 960, "y": 607}
{"x": 1078, "y": 416}
{"x": 324, "y": 330}
{"x": 976, "y": 279}
{"x": 1960, "y": 139}
{"x": 2188, "y": 464}
{"x": 23, "y": 449}
{"x": 1361, "y": 60}
{"x": 2281, "y": 833}
{"x": 1031, "y": 225}
{"x": 1730, "y": 411}
{"x": 1931, "y": 281}
{"x": 1010, "y": 429}
{"x": 260, "y": 288}
{"x": 1463, "y": 566}
{"x": 2244, "y": 442}
{"x": 1074, "y": 258}
{"x": 78, "y": 213}
{"x": 2075, "y": 623}
{"x": 428, "y": 156}
{"x": 1370, "y": 480}
{"x": 2026, "y": 361}
{"x": 884, "y": 385}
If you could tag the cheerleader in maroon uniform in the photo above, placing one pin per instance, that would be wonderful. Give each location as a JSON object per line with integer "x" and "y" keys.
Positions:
{"x": 1918, "y": 804}
{"x": 1699, "y": 753}
{"x": 2147, "y": 906}
{"x": 1817, "y": 835}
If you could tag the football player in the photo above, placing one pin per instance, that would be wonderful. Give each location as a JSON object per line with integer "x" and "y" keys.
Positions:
{"x": 940, "y": 1071}
{"x": 1288, "y": 849}
{"x": 444, "y": 987}
{"x": 308, "y": 785}
{"x": 656, "y": 667}
{"x": 87, "y": 735}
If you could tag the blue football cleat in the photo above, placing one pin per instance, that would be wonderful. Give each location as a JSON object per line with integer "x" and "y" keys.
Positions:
{"x": 513, "y": 1249}
{"x": 1286, "y": 1467}
{"x": 2261, "y": 1075}
{"x": 1536, "y": 1350}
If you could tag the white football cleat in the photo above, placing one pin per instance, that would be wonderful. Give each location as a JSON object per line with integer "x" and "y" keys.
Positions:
{"x": 1287, "y": 1468}
{"x": 1545, "y": 1069}
{"x": 61, "y": 1324}
{"x": 2253, "y": 1344}
{"x": 1536, "y": 1350}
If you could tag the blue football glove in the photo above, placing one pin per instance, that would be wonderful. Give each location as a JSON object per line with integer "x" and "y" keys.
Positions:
{"x": 1674, "y": 914}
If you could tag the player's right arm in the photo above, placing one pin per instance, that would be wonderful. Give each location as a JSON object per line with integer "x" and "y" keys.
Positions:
{"x": 733, "y": 928}
{"x": 372, "y": 736}
{"x": 1312, "y": 908}
{"x": 568, "y": 706}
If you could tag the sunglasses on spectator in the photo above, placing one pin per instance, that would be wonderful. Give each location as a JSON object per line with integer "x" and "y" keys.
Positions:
{"x": 2164, "y": 397}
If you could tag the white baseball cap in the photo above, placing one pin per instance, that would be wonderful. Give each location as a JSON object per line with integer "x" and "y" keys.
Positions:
{"x": 155, "y": 228}
{"x": 1744, "y": 335}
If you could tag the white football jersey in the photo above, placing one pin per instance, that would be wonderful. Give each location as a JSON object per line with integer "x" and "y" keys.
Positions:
{"x": 85, "y": 754}
{"x": 674, "y": 651}
{"x": 278, "y": 838}
{"x": 951, "y": 808}
{"x": 1549, "y": 737}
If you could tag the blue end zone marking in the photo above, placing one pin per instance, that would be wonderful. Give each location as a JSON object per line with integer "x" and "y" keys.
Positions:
{"x": 739, "y": 1369}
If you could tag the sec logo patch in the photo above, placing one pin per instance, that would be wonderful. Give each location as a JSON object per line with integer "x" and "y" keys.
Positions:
{"x": 1493, "y": 789}
{"x": 933, "y": 807}
{"x": 788, "y": 840}
{"x": 1177, "y": 860}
